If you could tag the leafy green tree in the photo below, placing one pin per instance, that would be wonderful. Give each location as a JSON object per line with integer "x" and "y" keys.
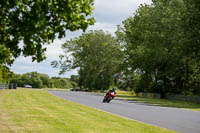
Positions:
{"x": 16, "y": 79}
{"x": 74, "y": 78}
{"x": 37, "y": 83}
{"x": 6, "y": 56}
{"x": 39, "y": 80}
{"x": 46, "y": 81}
{"x": 32, "y": 78}
{"x": 37, "y": 22}
{"x": 59, "y": 82}
{"x": 1, "y": 77}
{"x": 26, "y": 79}
{"x": 76, "y": 82}
{"x": 152, "y": 41}
{"x": 191, "y": 28}
{"x": 5, "y": 74}
{"x": 96, "y": 54}
{"x": 191, "y": 47}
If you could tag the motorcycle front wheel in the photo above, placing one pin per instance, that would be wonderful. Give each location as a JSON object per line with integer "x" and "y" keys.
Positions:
{"x": 104, "y": 100}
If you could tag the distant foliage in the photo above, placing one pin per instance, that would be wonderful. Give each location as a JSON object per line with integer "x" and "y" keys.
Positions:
{"x": 5, "y": 74}
{"x": 58, "y": 82}
{"x": 38, "y": 80}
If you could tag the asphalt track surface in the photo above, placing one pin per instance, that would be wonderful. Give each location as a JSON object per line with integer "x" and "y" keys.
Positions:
{"x": 180, "y": 120}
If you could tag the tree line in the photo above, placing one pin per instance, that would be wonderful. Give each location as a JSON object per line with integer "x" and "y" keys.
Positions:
{"x": 156, "y": 50}
{"x": 38, "y": 80}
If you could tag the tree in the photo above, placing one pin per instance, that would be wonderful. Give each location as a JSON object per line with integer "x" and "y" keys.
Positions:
{"x": 96, "y": 54}
{"x": 16, "y": 79}
{"x": 5, "y": 55}
{"x": 5, "y": 74}
{"x": 37, "y": 83}
{"x": 61, "y": 82}
{"x": 46, "y": 81}
{"x": 39, "y": 80}
{"x": 191, "y": 46}
{"x": 75, "y": 78}
{"x": 37, "y": 22}
{"x": 76, "y": 82}
{"x": 152, "y": 40}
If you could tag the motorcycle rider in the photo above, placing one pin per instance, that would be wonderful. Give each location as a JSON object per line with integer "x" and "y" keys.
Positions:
{"x": 112, "y": 90}
{"x": 108, "y": 97}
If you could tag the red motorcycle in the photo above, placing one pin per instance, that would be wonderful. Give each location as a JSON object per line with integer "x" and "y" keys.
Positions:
{"x": 109, "y": 97}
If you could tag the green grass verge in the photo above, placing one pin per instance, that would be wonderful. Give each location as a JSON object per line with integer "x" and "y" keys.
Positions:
{"x": 37, "y": 111}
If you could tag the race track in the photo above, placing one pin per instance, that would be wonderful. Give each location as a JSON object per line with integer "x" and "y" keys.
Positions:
{"x": 180, "y": 120}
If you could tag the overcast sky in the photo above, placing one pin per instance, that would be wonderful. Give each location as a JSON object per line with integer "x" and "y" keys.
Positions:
{"x": 108, "y": 14}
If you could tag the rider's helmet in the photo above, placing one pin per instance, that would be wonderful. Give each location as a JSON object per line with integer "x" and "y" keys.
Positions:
{"x": 113, "y": 89}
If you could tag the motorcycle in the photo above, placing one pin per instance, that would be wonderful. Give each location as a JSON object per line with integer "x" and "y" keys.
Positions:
{"x": 109, "y": 97}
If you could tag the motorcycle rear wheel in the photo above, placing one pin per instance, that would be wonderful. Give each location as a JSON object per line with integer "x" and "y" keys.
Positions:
{"x": 104, "y": 100}
{"x": 108, "y": 100}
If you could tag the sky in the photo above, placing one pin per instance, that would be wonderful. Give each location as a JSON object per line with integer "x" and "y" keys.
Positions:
{"x": 107, "y": 13}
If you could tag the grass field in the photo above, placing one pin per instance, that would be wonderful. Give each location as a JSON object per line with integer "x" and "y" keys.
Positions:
{"x": 159, "y": 102}
{"x": 37, "y": 111}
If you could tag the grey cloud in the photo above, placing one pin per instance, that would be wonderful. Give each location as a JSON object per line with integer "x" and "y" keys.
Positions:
{"x": 21, "y": 66}
{"x": 115, "y": 11}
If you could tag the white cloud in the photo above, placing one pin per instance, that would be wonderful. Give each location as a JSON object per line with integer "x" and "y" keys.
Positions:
{"x": 23, "y": 65}
{"x": 115, "y": 11}
{"x": 54, "y": 49}
{"x": 105, "y": 26}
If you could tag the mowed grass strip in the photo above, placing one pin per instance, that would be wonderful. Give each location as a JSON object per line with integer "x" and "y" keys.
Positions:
{"x": 37, "y": 111}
